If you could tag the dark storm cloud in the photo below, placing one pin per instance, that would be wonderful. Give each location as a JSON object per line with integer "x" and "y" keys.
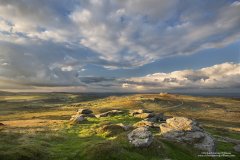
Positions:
{"x": 89, "y": 80}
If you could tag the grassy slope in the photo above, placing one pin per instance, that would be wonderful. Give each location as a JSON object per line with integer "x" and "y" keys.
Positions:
{"x": 37, "y": 126}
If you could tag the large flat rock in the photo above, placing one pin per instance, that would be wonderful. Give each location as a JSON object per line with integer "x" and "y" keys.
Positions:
{"x": 182, "y": 129}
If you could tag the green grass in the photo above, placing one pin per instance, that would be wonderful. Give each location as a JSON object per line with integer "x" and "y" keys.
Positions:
{"x": 38, "y": 128}
{"x": 21, "y": 147}
{"x": 223, "y": 132}
{"x": 227, "y": 147}
{"x": 81, "y": 141}
{"x": 97, "y": 147}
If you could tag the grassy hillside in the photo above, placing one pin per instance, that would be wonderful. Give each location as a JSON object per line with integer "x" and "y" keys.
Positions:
{"x": 36, "y": 126}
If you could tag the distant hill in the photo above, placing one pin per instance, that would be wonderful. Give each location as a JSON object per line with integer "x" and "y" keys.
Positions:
{"x": 5, "y": 93}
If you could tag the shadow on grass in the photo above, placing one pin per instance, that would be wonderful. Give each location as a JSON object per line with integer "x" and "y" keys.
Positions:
{"x": 54, "y": 117}
{"x": 120, "y": 149}
{"x": 16, "y": 146}
{"x": 72, "y": 144}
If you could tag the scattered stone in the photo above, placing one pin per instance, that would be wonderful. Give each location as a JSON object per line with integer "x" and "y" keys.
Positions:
{"x": 185, "y": 130}
{"x": 125, "y": 127}
{"x": 81, "y": 115}
{"x": 88, "y": 115}
{"x": 237, "y": 148}
{"x": 144, "y": 115}
{"x": 140, "y": 137}
{"x": 85, "y": 111}
{"x": 139, "y": 111}
{"x": 152, "y": 119}
{"x": 78, "y": 118}
{"x": 144, "y": 123}
{"x": 110, "y": 113}
{"x": 159, "y": 117}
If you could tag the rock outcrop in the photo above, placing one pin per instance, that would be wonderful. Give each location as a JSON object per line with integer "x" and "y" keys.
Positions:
{"x": 81, "y": 115}
{"x": 144, "y": 123}
{"x": 158, "y": 117}
{"x": 140, "y": 137}
{"x": 77, "y": 118}
{"x": 88, "y": 115}
{"x": 125, "y": 127}
{"x": 139, "y": 111}
{"x": 142, "y": 113}
{"x": 110, "y": 113}
{"x": 85, "y": 111}
{"x": 148, "y": 115}
{"x": 185, "y": 130}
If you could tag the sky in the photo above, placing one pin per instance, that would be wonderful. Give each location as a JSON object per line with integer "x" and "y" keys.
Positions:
{"x": 120, "y": 45}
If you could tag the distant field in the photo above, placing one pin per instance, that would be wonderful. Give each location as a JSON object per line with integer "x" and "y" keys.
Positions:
{"x": 36, "y": 125}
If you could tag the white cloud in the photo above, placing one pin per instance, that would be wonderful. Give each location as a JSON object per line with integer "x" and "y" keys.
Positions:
{"x": 82, "y": 16}
{"x": 67, "y": 68}
{"x": 5, "y": 26}
{"x": 4, "y": 64}
{"x": 123, "y": 33}
{"x": 226, "y": 75}
{"x": 138, "y": 32}
{"x": 53, "y": 42}
{"x": 236, "y": 3}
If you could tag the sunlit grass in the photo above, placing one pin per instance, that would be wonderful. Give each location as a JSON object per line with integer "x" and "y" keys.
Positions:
{"x": 37, "y": 126}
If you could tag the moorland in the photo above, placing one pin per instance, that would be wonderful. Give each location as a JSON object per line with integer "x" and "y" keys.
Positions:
{"x": 36, "y": 126}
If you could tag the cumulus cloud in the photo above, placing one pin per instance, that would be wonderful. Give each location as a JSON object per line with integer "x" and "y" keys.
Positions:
{"x": 139, "y": 32}
{"x": 221, "y": 76}
{"x": 122, "y": 33}
{"x": 53, "y": 42}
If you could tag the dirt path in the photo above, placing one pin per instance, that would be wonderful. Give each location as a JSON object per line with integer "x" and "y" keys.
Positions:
{"x": 176, "y": 106}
